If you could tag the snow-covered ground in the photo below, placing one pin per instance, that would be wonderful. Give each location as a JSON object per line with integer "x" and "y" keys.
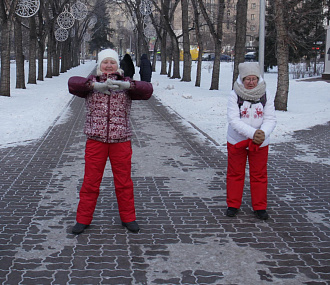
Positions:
{"x": 28, "y": 113}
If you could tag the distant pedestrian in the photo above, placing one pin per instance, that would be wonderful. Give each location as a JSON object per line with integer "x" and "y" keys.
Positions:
{"x": 145, "y": 68}
{"x": 127, "y": 65}
{"x": 251, "y": 119}
{"x": 108, "y": 99}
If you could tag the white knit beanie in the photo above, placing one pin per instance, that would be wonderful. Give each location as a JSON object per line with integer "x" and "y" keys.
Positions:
{"x": 248, "y": 68}
{"x": 103, "y": 54}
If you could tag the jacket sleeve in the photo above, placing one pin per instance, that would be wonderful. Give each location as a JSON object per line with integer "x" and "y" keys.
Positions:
{"x": 269, "y": 120}
{"x": 79, "y": 86}
{"x": 233, "y": 116}
{"x": 141, "y": 91}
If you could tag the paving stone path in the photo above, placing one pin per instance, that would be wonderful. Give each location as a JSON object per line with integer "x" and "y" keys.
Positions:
{"x": 185, "y": 238}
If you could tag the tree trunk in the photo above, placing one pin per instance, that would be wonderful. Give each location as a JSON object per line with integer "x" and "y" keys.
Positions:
{"x": 217, "y": 47}
{"x": 49, "y": 73}
{"x": 186, "y": 43}
{"x": 176, "y": 56}
{"x": 41, "y": 51}
{"x": 56, "y": 57}
{"x": 41, "y": 33}
{"x": 163, "y": 53}
{"x": 154, "y": 59}
{"x": 7, "y": 12}
{"x": 64, "y": 56}
{"x": 216, "y": 67}
{"x": 143, "y": 46}
{"x": 5, "y": 58}
{"x": 170, "y": 59}
{"x": 20, "y": 74}
{"x": 282, "y": 53}
{"x": 167, "y": 12}
{"x": 32, "y": 52}
{"x": 241, "y": 20}
{"x": 216, "y": 33}
{"x": 200, "y": 44}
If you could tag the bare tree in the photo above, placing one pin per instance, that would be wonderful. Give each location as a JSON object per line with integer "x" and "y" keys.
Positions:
{"x": 282, "y": 54}
{"x": 7, "y": 12}
{"x": 216, "y": 33}
{"x": 199, "y": 41}
{"x": 241, "y": 19}
{"x": 32, "y": 78}
{"x": 166, "y": 12}
{"x": 162, "y": 42}
{"x": 186, "y": 42}
{"x": 20, "y": 72}
{"x": 132, "y": 9}
{"x": 43, "y": 22}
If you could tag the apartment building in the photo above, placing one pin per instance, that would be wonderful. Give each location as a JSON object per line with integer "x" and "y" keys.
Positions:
{"x": 229, "y": 23}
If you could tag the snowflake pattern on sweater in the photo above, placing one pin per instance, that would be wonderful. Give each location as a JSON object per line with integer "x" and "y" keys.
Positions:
{"x": 244, "y": 112}
{"x": 258, "y": 113}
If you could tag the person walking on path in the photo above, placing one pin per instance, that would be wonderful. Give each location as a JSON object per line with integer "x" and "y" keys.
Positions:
{"x": 127, "y": 65}
{"x": 108, "y": 97}
{"x": 145, "y": 68}
{"x": 251, "y": 120}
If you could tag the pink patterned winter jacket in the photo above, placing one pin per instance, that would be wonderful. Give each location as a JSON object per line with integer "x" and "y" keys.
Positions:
{"x": 107, "y": 117}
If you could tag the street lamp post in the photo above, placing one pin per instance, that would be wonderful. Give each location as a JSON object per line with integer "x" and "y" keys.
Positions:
{"x": 326, "y": 74}
{"x": 120, "y": 48}
{"x": 262, "y": 36}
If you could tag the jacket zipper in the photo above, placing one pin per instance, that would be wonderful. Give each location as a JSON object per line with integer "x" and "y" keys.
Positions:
{"x": 250, "y": 114}
{"x": 108, "y": 118}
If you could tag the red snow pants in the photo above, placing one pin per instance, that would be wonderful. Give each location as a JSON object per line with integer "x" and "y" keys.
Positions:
{"x": 96, "y": 156}
{"x": 236, "y": 174}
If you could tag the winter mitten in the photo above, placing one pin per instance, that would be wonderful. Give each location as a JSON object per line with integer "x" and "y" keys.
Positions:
{"x": 111, "y": 85}
{"x": 101, "y": 87}
{"x": 258, "y": 137}
{"x": 118, "y": 85}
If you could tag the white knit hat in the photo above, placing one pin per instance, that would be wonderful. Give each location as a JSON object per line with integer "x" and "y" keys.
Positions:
{"x": 103, "y": 54}
{"x": 248, "y": 68}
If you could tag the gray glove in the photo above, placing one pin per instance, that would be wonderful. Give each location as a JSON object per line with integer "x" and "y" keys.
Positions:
{"x": 101, "y": 87}
{"x": 118, "y": 85}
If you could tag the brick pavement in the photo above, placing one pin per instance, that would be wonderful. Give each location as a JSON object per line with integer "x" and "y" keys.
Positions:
{"x": 185, "y": 238}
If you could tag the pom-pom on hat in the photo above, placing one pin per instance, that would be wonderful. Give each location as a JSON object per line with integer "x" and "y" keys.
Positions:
{"x": 248, "y": 68}
{"x": 103, "y": 54}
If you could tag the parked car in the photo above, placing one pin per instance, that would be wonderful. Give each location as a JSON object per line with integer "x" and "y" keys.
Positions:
{"x": 208, "y": 56}
{"x": 225, "y": 57}
{"x": 250, "y": 56}
{"x": 211, "y": 56}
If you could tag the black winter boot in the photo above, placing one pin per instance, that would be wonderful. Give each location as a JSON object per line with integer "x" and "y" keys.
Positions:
{"x": 79, "y": 228}
{"x": 231, "y": 212}
{"x": 132, "y": 226}
{"x": 261, "y": 214}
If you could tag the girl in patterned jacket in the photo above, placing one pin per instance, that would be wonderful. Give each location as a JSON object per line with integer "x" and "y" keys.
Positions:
{"x": 251, "y": 119}
{"x": 108, "y": 97}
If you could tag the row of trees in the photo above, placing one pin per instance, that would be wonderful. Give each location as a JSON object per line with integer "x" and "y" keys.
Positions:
{"x": 30, "y": 37}
{"x": 286, "y": 36}
{"x": 293, "y": 28}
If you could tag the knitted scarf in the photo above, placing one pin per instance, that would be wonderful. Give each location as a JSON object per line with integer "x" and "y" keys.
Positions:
{"x": 250, "y": 94}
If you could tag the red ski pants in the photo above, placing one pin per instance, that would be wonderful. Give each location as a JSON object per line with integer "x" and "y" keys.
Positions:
{"x": 236, "y": 174}
{"x": 96, "y": 156}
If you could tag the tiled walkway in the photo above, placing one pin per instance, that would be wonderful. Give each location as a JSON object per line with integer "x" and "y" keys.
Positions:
{"x": 185, "y": 238}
